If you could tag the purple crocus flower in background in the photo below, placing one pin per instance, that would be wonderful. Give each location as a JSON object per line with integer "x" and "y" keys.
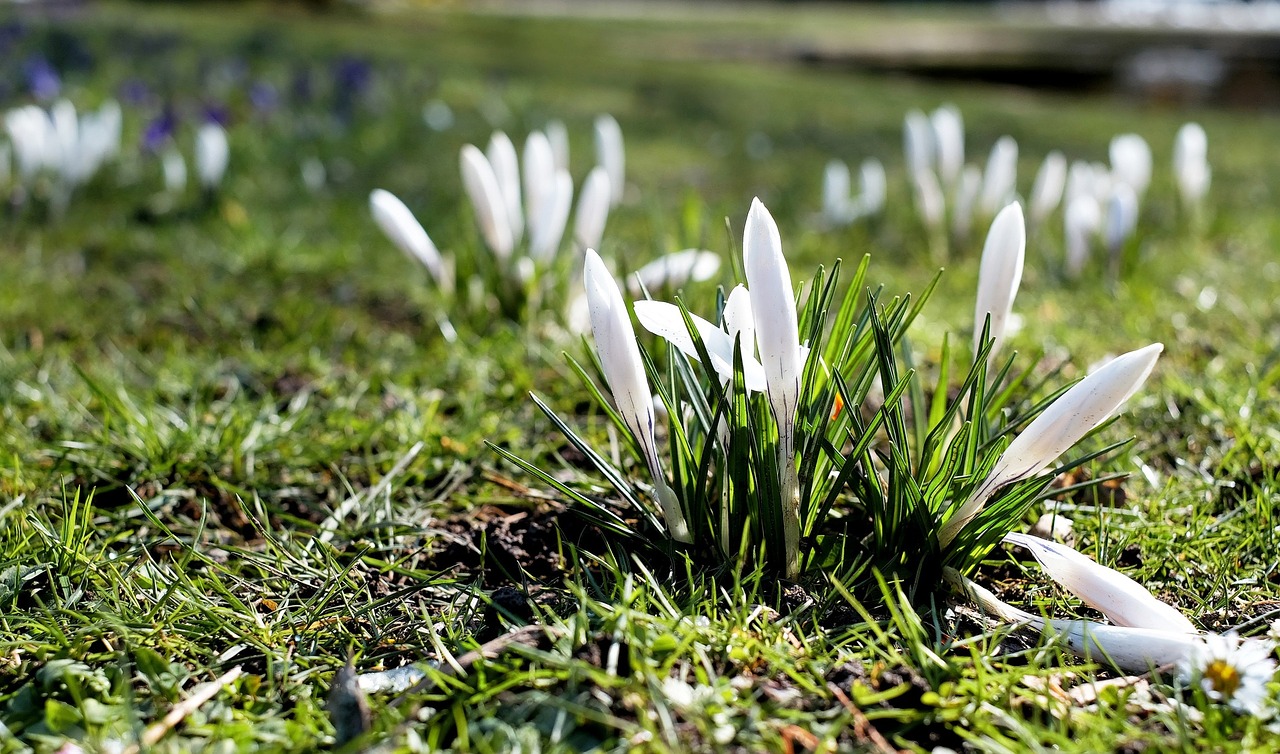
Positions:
{"x": 42, "y": 81}
{"x": 159, "y": 131}
{"x": 216, "y": 113}
{"x": 264, "y": 97}
{"x": 134, "y": 92}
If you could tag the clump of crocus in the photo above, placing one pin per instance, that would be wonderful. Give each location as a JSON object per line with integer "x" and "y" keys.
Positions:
{"x": 521, "y": 205}
{"x": 750, "y": 395}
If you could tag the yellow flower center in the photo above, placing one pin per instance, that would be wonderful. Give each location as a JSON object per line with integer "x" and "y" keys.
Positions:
{"x": 1224, "y": 677}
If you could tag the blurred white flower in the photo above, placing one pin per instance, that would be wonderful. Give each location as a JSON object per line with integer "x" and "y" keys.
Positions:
{"x": 212, "y": 155}
{"x": 611, "y": 156}
{"x": 1122, "y": 217}
{"x": 948, "y": 140}
{"x": 1046, "y": 192}
{"x": 175, "y": 170}
{"x": 1081, "y": 223}
{"x": 1131, "y": 161}
{"x": 593, "y": 209}
{"x": 675, "y": 269}
{"x": 930, "y": 202}
{"x": 501, "y": 155}
{"x": 404, "y": 230}
{"x": 837, "y": 200}
{"x": 999, "y": 182}
{"x": 487, "y": 199}
{"x": 917, "y": 142}
{"x": 1191, "y": 163}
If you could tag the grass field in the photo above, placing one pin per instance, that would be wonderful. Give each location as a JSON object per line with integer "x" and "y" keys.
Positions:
{"x": 234, "y": 437}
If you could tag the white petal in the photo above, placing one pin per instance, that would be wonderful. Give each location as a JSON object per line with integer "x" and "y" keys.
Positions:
{"x": 836, "y": 193}
{"x": 593, "y": 209}
{"x": 212, "y": 154}
{"x": 948, "y": 137}
{"x": 1081, "y": 223}
{"x": 676, "y": 269}
{"x": 175, "y": 170}
{"x": 1131, "y": 161}
{"x": 610, "y": 155}
{"x": 966, "y": 199}
{"x": 930, "y": 201}
{"x": 1122, "y": 216}
{"x": 549, "y": 229}
{"x": 872, "y": 181}
{"x": 558, "y": 136}
{"x": 917, "y": 138}
{"x": 1046, "y": 192}
{"x": 404, "y": 230}
{"x": 486, "y": 199}
{"x": 1120, "y": 598}
{"x": 1073, "y": 415}
{"x": 738, "y": 320}
{"x": 506, "y": 169}
{"x": 624, "y": 371}
{"x": 1133, "y": 650}
{"x": 999, "y": 274}
{"x": 665, "y": 321}
{"x": 999, "y": 181}
{"x": 539, "y": 174}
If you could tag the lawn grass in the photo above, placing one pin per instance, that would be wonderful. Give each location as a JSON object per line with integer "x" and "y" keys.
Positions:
{"x": 189, "y": 395}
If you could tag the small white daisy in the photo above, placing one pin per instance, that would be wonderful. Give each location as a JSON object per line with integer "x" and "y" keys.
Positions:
{"x": 1232, "y": 670}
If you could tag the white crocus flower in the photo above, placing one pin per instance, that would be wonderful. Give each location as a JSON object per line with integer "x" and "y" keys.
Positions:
{"x": 1132, "y": 650}
{"x": 212, "y": 155}
{"x": 558, "y": 136}
{"x": 675, "y": 269}
{"x": 1131, "y": 161}
{"x": 1122, "y": 217}
{"x": 404, "y": 230}
{"x": 546, "y": 229}
{"x": 666, "y": 321}
{"x": 773, "y": 309}
{"x": 837, "y": 188}
{"x": 917, "y": 142}
{"x": 999, "y": 182}
{"x": 611, "y": 156}
{"x": 966, "y": 198}
{"x": 593, "y": 209}
{"x": 871, "y": 180}
{"x": 1080, "y": 224}
{"x": 1080, "y": 410}
{"x": 501, "y": 155}
{"x": 487, "y": 200}
{"x": 930, "y": 201}
{"x": 624, "y": 371}
{"x": 1191, "y": 163}
{"x": 999, "y": 275}
{"x": 948, "y": 139}
{"x": 1124, "y": 601}
{"x": 1046, "y": 192}
{"x": 175, "y": 170}
{"x": 538, "y": 168}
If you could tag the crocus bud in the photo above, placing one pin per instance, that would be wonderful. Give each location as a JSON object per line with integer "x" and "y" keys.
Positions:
{"x": 487, "y": 200}
{"x": 212, "y": 154}
{"x": 1191, "y": 163}
{"x": 917, "y": 142}
{"x": 773, "y": 308}
{"x": 506, "y": 170}
{"x": 1046, "y": 192}
{"x": 873, "y": 184}
{"x": 593, "y": 209}
{"x": 836, "y": 189}
{"x": 999, "y": 182}
{"x": 1073, "y": 415}
{"x": 999, "y": 275}
{"x": 404, "y": 230}
{"x": 610, "y": 155}
{"x": 948, "y": 138}
{"x": 1131, "y": 161}
{"x": 624, "y": 371}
